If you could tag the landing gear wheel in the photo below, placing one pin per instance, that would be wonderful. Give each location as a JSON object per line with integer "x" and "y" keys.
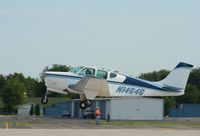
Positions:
{"x": 85, "y": 104}
{"x": 44, "y": 100}
{"x": 88, "y": 103}
{"x": 82, "y": 105}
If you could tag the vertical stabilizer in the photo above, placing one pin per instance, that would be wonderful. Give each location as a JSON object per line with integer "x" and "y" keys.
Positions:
{"x": 178, "y": 77}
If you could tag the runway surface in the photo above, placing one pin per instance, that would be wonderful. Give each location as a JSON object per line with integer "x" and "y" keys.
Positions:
{"x": 98, "y": 132}
{"x": 44, "y": 126}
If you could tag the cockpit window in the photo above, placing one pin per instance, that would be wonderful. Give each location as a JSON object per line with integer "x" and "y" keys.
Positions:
{"x": 113, "y": 75}
{"x": 87, "y": 71}
{"x": 102, "y": 74}
{"x": 75, "y": 70}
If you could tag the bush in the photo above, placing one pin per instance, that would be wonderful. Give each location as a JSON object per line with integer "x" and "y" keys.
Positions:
{"x": 37, "y": 109}
{"x": 32, "y": 110}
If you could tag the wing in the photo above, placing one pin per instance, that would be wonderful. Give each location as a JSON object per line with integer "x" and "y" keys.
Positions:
{"x": 91, "y": 86}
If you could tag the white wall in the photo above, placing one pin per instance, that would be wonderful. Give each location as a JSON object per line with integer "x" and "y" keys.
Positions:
{"x": 24, "y": 110}
{"x": 136, "y": 109}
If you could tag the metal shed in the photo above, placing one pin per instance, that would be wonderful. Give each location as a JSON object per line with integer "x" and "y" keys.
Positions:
{"x": 136, "y": 109}
{"x": 117, "y": 108}
{"x": 186, "y": 110}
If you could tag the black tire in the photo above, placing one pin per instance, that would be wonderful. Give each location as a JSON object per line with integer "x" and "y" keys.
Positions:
{"x": 88, "y": 103}
{"x": 82, "y": 105}
{"x": 44, "y": 101}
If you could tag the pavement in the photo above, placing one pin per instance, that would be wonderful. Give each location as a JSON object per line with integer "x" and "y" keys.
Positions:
{"x": 98, "y": 132}
{"x": 44, "y": 126}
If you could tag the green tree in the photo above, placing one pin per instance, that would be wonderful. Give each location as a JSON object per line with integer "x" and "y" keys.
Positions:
{"x": 13, "y": 93}
{"x": 30, "y": 83}
{"x": 194, "y": 78}
{"x": 58, "y": 67}
{"x": 41, "y": 88}
{"x": 37, "y": 109}
{"x": 2, "y": 83}
{"x": 18, "y": 76}
{"x": 191, "y": 95}
{"x": 31, "y": 86}
{"x": 170, "y": 102}
{"x": 155, "y": 75}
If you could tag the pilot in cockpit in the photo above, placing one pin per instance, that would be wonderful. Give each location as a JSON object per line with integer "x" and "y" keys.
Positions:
{"x": 88, "y": 72}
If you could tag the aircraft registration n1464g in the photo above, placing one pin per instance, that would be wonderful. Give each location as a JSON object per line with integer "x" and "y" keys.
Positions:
{"x": 90, "y": 82}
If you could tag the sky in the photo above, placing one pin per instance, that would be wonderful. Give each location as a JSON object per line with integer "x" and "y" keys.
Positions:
{"x": 131, "y": 36}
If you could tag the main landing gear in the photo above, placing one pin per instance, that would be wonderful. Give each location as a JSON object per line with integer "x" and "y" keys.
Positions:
{"x": 84, "y": 104}
{"x": 44, "y": 100}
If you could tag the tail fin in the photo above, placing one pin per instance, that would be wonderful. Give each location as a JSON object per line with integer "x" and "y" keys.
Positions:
{"x": 179, "y": 76}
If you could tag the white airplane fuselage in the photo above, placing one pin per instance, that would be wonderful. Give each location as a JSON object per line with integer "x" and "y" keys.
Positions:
{"x": 90, "y": 82}
{"x": 59, "y": 82}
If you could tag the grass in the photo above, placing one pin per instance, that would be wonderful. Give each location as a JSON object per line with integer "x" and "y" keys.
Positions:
{"x": 152, "y": 123}
{"x": 59, "y": 123}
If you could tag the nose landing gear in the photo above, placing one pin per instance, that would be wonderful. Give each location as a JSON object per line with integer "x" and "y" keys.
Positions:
{"x": 44, "y": 100}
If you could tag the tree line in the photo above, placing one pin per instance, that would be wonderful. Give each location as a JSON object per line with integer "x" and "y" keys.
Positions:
{"x": 14, "y": 88}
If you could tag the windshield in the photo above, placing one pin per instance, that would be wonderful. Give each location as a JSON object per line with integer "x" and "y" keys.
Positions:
{"x": 75, "y": 70}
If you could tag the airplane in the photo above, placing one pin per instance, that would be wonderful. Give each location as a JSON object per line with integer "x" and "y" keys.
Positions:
{"x": 90, "y": 82}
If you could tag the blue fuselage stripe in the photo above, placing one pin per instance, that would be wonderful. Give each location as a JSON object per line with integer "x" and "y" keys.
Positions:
{"x": 137, "y": 82}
